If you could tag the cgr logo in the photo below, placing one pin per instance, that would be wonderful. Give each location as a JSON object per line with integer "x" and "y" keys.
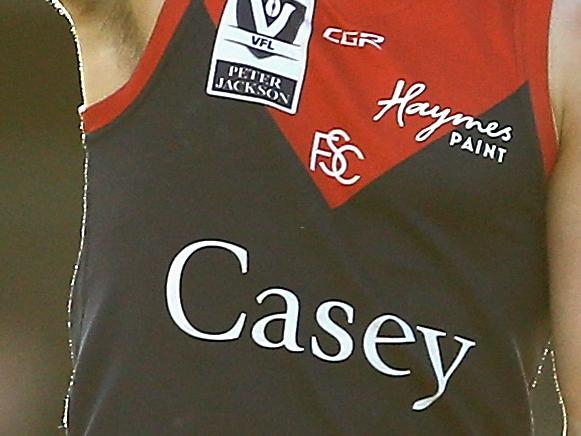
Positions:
{"x": 353, "y": 39}
{"x": 270, "y": 70}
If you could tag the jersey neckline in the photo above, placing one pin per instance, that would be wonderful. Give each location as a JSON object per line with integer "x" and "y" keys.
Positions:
{"x": 102, "y": 113}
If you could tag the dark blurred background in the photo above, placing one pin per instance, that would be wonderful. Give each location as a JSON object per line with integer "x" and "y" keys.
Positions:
{"x": 40, "y": 212}
{"x": 41, "y": 167}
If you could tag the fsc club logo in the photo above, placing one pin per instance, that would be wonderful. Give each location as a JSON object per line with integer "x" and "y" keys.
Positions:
{"x": 335, "y": 154}
{"x": 260, "y": 52}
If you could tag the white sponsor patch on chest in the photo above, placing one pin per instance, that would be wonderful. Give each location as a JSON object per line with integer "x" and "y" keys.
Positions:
{"x": 260, "y": 52}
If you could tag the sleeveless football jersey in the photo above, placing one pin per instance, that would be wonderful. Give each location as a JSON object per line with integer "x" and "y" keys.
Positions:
{"x": 318, "y": 217}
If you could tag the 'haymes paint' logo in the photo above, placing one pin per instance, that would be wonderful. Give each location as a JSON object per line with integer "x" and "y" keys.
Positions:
{"x": 372, "y": 339}
{"x": 405, "y": 100}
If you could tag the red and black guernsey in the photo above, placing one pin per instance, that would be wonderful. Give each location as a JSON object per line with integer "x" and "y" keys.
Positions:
{"x": 318, "y": 217}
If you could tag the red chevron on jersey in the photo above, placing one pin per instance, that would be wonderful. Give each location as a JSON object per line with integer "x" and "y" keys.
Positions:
{"x": 395, "y": 101}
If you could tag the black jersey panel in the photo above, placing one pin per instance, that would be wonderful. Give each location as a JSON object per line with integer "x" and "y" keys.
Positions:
{"x": 416, "y": 307}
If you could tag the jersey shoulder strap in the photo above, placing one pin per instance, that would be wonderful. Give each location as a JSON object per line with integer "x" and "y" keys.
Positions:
{"x": 532, "y": 32}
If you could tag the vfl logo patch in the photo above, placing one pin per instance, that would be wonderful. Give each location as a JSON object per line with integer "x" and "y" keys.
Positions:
{"x": 260, "y": 52}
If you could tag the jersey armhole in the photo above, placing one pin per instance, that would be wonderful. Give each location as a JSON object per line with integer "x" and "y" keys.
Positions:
{"x": 100, "y": 114}
{"x": 532, "y": 39}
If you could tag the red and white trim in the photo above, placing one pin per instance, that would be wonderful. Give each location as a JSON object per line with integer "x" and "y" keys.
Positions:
{"x": 104, "y": 112}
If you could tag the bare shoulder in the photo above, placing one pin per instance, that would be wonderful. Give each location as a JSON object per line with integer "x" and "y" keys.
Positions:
{"x": 111, "y": 36}
{"x": 564, "y": 204}
{"x": 565, "y": 59}
{"x": 84, "y": 10}
{"x": 81, "y": 11}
